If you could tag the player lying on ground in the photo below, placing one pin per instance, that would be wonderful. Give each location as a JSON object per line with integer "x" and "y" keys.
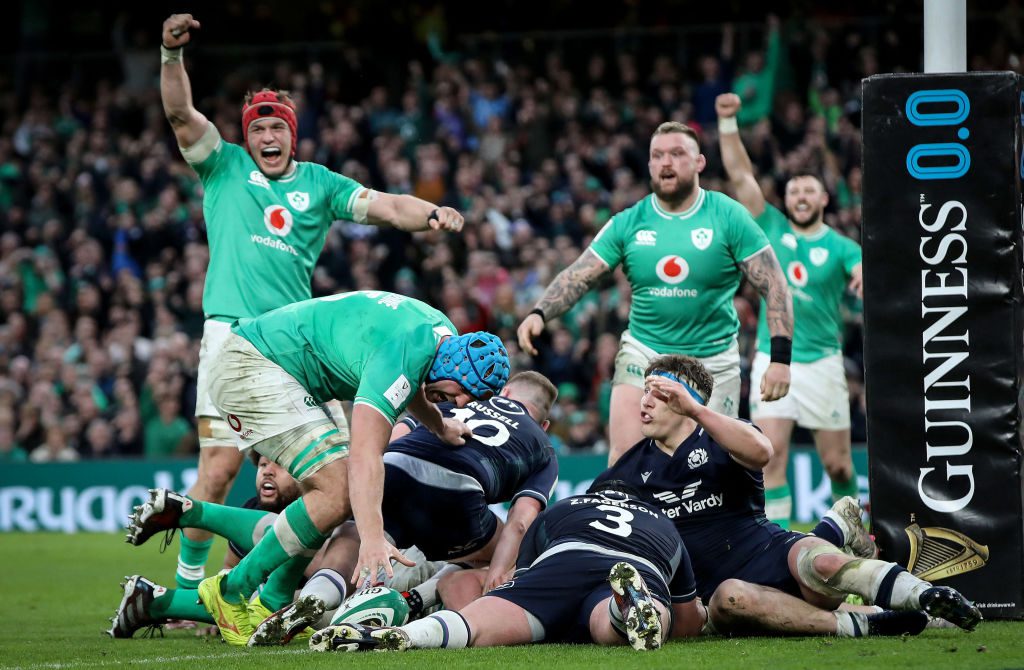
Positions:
{"x": 147, "y": 604}
{"x": 704, "y": 469}
{"x": 437, "y": 498}
{"x": 604, "y": 567}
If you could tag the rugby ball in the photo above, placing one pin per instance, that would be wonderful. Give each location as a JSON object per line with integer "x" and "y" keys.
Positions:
{"x": 373, "y": 606}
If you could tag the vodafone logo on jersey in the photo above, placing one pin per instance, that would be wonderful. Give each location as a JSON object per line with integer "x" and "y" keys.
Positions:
{"x": 278, "y": 220}
{"x": 797, "y": 274}
{"x": 672, "y": 269}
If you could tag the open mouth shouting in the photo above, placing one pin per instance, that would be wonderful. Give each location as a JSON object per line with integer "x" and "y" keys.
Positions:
{"x": 272, "y": 157}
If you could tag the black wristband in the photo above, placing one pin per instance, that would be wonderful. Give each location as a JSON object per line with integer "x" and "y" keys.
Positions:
{"x": 539, "y": 312}
{"x": 434, "y": 216}
{"x": 782, "y": 350}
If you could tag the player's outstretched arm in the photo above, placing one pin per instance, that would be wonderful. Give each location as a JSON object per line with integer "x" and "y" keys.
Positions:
{"x": 737, "y": 163}
{"x": 763, "y": 271}
{"x": 560, "y": 295}
{"x": 524, "y": 510}
{"x": 370, "y": 432}
{"x": 409, "y": 213}
{"x": 175, "y": 91}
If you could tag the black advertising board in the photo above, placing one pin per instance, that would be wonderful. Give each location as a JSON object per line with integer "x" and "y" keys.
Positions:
{"x": 943, "y": 329}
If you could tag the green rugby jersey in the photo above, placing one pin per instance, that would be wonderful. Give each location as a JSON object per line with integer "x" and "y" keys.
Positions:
{"x": 818, "y": 268}
{"x": 265, "y": 235}
{"x": 370, "y": 347}
{"x": 684, "y": 270}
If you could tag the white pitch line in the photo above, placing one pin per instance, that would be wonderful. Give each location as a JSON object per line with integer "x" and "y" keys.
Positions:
{"x": 140, "y": 661}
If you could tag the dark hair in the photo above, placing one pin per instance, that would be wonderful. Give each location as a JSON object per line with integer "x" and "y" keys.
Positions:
{"x": 687, "y": 368}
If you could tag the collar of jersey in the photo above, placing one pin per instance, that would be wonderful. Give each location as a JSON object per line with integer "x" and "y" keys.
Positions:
{"x": 813, "y": 237}
{"x": 288, "y": 177}
{"x": 694, "y": 208}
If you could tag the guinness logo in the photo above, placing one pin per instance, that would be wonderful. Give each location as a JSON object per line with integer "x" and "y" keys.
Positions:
{"x": 940, "y": 553}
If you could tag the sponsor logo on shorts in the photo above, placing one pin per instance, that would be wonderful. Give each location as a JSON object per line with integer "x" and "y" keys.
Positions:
{"x": 273, "y": 243}
{"x": 672, "y": 269}
{"x": 236, "y": 425}
{"x": 646, "y": 238}
{"x": 797, "y": 274}
{"x": 634, "y": 369}
{"x": 278, "y": 220}
{"x": 702, "y": 237}
{"x": 398, "y": 392}
{"x": 309, "y": 402}
{"x": 697, "y": 458}
{"x": 298, "y": 200}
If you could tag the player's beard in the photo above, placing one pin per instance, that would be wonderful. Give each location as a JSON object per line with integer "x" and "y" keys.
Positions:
{"x": 812, "y": 218}
{"x": 677, "y": 196}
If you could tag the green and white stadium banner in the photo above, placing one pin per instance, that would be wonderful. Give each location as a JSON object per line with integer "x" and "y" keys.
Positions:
{"x": 98, "y": 496}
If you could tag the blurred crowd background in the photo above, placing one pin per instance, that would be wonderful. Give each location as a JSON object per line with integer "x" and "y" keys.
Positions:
{"x": 532, "y": 119}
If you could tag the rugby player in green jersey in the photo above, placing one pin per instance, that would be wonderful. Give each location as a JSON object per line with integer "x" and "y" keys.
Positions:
{"x": 386, "y": 353}
{"x": 685, "y": 251}
{"x": 821, "y": 265}
{"x": 267, "y": 217}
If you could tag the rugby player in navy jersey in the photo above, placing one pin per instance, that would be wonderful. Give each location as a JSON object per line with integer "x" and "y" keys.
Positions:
{"x": 703, "y": 469}
{"x": 437, "y": 497}
{"x": 604, "y": 567}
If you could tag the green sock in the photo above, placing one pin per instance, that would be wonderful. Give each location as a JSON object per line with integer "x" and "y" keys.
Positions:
{"x": 191, "y": 562}
{"x": 292, "y": 534}
{"x": 778, "y": 505}
{"x": 237, "y": 524}
{"x": 180, "y": 604}
{"x": 279, "y": 589}
{"x": 847, "y": 488}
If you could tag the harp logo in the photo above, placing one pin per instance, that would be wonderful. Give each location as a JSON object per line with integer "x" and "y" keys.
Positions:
{"x": 941, "y": 553}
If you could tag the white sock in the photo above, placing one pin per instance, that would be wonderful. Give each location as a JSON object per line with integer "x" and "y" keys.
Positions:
{"x": 328, "y": 586}
{"x": 427, "y": 591}
{"x": 906, "y": 592}
{"x": 445, "y": 629}
{"x": 851, "y": 624}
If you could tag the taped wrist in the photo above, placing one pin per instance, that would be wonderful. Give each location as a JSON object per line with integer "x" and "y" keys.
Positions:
{"x": 169, "y": 56}
{"x": 727, "y": 125}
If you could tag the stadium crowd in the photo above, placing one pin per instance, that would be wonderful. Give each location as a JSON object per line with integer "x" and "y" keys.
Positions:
{"x": 103, "y": 254}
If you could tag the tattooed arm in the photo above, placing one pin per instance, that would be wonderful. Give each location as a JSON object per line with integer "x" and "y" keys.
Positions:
{"x": 564, "y": 291}
{"x": 763, "y": 271}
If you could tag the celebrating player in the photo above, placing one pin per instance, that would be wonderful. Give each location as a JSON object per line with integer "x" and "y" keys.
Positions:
{"x": 684, "y": 251}
{"x": 605, "y": 567}
{"x": 704, "y": 469}
{"x": 821, "y": 265}
{"x": 267, "y": 217}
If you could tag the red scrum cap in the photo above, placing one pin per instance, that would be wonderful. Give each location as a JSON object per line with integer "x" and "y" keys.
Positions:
{"x": 269, "y": 103}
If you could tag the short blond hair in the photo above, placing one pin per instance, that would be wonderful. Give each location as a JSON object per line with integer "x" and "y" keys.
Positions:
{"x": 534, "y": 388}
{"x": 675, "y": 127}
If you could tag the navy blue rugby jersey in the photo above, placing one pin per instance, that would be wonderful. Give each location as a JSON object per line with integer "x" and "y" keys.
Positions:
{"x": 616, "y": 526}
{"x": 716, "y": 504}
{"x": 509, "y": 454}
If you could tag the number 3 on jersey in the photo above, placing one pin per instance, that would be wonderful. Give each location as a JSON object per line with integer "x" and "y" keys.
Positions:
{"x": 465, "y": 415}
{"x": 618, "y": 516}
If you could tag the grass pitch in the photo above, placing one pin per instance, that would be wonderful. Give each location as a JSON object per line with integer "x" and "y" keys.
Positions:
{"x": 59, "y": 591}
